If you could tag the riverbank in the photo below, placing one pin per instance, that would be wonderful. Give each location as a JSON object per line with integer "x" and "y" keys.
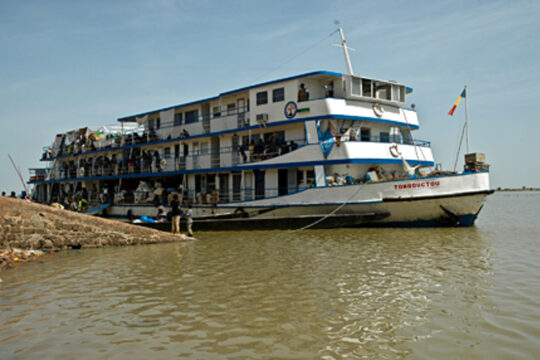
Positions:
{"x": 28, "y": 225}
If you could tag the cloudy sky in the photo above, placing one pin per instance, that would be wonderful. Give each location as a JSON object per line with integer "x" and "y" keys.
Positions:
{"x": 69, "y": 64}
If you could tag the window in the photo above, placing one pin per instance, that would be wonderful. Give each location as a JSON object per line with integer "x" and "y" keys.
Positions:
{"x": 167, "y": 152}
{"x": 385, "y": 136}
{"x": 262, "y": 98}
{"x": 216, "y": 111}
{"x": 366, "y": 87}
{"x": 151, "y": 124}
{"x": 158, "y": 123}
{"x": 402, "y": 93}
{"x": 382, "y": 91}
{"x": 177, "y": 119}
{"x": 278, "y": 95}
{"x": 365, "y": 134}
{"x": 356, "y": 86}
{"x": 192, "y": 116}
{"x": 231, "y": 108}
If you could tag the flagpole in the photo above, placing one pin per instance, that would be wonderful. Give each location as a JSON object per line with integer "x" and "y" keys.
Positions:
{"x": 467, "y": 116}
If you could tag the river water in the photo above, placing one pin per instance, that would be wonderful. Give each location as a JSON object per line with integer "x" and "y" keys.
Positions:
{"x": 449, "y": 293}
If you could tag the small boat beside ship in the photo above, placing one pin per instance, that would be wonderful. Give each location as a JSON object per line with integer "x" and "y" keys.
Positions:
{"x": 321, "y": 148}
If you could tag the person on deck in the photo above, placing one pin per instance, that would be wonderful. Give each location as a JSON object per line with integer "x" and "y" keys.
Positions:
{"x": 303, "y": 94}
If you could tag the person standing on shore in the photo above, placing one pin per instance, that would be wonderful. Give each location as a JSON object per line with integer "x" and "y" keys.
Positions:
{"x": 189, "y": 220}
{"x": 175, "y": 212}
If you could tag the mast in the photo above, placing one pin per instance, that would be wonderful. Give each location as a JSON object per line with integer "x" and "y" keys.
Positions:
{"x": 346, "y": 52}
{"x": 467, "y": 117}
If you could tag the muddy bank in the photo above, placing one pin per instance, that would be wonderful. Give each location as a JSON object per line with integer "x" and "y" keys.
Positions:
{"x": 10, "y": 257}
{"x": 28, "y": 225}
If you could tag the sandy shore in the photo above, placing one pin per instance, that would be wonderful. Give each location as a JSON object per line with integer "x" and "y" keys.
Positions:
{"x": 27, "y": 225}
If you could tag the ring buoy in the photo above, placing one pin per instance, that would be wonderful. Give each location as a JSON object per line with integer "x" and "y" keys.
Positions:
{"x": 394, "y": 150}
{"x": 81, "y": 172}
{"x": 163, "y": 164}
{"x": 378, "y": 109}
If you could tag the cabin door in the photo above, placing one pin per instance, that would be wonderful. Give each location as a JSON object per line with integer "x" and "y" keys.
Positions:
{"x": 283, "y": 183}
{"x": 259, "y": 183}
{"x": 195, "y": 156}
{"x": 214, "y": 152}
{"x": 235, "y": 148}
{"x": 248, "y": 185}
{"x": 237, "y": 187}
{"x": 224, "y": 187}
{"x": 241, "y": 109}
{"x": 205, "y": 108}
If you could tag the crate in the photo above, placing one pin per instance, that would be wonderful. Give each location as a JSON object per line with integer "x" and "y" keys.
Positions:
{"x": 475, "y": 158}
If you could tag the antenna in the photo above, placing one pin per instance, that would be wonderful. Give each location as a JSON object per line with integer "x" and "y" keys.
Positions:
{"x": 345, "y": 49}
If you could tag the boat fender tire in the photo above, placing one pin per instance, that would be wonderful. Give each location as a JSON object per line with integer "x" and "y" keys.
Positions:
{"x": 378, "y": 110}
{"x": 394, "y": 150}
{"x": 240, "y": 212}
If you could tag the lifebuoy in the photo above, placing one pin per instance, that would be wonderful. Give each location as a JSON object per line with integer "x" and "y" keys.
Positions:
{"x": 81, "y": 172}
{"x": 163, "y": 164}
{"x": 394, "y": 150}
{"x": 378, "y": 109}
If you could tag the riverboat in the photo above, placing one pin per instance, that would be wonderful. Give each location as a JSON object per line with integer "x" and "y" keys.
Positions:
{"x": 323, "y": 149}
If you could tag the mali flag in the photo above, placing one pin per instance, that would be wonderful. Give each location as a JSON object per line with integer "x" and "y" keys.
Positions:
{"x": 451, "y": 112}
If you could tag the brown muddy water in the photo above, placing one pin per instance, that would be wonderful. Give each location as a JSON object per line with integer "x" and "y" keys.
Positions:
{"x": 451, "y": 293}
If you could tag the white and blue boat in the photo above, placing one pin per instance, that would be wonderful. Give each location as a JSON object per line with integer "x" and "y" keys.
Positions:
{"x": 322, "y": 148}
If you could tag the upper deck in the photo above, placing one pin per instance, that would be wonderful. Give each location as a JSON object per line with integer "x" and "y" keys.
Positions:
{"x": 306, "y": 97}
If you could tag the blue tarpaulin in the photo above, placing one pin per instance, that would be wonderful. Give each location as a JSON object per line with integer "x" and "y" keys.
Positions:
{"x": 327, "y": 141}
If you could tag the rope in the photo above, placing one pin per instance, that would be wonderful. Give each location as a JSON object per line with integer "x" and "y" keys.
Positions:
{"x": 97, "y": 208}
{"x": 328, "y": 215}
{"x": 294, "y": 57}
{"x": 412, "y": 137}
{"x": 459, "y": 146}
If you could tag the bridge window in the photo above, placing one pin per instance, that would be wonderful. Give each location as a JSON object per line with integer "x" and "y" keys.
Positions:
{"x": 366, "y": 87}
{"x": 356, "y": 86}
{"x": 382, "y": 91}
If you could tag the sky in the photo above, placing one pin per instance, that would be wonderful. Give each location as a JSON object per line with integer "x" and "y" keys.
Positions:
{"x": 70, "y": 64}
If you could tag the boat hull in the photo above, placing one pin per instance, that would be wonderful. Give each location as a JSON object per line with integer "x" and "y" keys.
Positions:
{"x": 454, "y": 200}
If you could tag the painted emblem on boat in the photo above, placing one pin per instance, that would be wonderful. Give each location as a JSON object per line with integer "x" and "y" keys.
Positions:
{"x": 290, "y": 109}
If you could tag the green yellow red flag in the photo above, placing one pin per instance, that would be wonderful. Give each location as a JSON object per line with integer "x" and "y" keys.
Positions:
{"x": 463, "y": 94}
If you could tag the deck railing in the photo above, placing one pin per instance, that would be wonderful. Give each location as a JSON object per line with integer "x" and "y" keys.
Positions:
{"x": 226, "y": 157}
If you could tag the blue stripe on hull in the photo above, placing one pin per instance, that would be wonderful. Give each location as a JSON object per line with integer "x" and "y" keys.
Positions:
{"x": 464, "y": 221}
